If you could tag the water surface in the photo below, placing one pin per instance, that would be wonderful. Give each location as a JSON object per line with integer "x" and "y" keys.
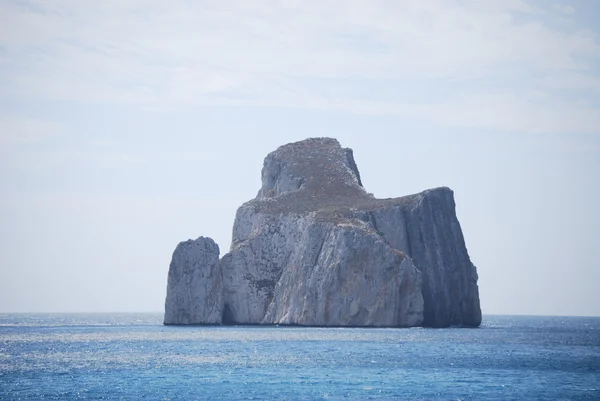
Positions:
{"x": 133, "y": 356}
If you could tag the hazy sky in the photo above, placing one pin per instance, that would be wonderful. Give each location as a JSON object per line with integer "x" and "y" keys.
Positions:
{"x": 128, "y": 126}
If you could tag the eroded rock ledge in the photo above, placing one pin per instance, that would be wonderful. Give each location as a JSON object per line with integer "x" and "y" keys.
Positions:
{"x": 314, "y": 248}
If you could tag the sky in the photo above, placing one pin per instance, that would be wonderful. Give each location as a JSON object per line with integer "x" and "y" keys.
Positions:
{"x": 129, "y": 126}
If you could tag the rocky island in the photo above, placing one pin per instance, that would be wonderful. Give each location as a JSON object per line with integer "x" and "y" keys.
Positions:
{"x": 315, "y": 249}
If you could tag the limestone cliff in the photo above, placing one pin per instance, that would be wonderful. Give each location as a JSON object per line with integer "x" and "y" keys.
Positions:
{"x": 194, "y": 284}
{"x": 314, "y": 248}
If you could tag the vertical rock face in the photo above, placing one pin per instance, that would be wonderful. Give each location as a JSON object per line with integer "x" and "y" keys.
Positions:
{"x": 194, "y": 284}
{"x": 313, "y": 248}
{"x": 436, "y": 244}
{"x": 300, "y": 269}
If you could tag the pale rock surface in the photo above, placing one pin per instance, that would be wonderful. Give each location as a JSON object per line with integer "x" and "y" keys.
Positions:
{"x": 313, "y": 248}
{"x": 194, "y": 284}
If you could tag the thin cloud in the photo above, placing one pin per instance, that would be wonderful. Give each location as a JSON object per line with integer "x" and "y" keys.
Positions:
{"x": 238, "y": 53}
{"x": 24, "y": 131}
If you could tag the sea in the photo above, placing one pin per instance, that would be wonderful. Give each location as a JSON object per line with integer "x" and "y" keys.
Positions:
{"x": 133, "y": 356}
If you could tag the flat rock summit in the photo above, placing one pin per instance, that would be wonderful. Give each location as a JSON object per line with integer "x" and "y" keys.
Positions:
{"x": 315, "y": 249}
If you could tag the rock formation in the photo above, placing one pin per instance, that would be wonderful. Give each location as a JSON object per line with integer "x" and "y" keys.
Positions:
{"x": 194, "y": 284}
{"x": 314, "y": 248}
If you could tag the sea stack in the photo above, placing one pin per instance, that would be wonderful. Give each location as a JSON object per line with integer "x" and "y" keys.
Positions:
{"x": 315, "y": 249}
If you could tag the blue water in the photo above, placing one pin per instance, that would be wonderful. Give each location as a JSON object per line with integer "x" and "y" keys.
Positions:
{"x": 132, "y": 356}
